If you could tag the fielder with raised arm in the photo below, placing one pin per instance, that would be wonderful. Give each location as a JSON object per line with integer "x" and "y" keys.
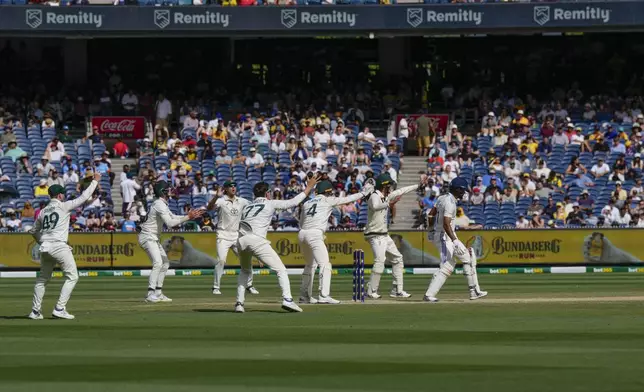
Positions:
{"x": 255, "y": 220}
{"x": 377, "y": 234}
{"x": 51, "y": 231}
{"x": 442, "y": 231}
{"x": 149, "y": 232}
{"x": 313, "y": 223}
{"x": 229, "y": 208}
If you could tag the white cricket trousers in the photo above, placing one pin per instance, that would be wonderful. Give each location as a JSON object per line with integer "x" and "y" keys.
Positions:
{"x": 160, "y": 264}
{"x": 315, "y": 255}
{"x": 250, "y": 246}
{"x": 50, "y": 255}
{"x": 223, "y": 246}
{"x": 385, "y": 250}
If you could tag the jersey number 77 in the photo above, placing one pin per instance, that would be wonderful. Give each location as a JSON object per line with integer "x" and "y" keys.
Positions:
{"x": 247, "y": 211}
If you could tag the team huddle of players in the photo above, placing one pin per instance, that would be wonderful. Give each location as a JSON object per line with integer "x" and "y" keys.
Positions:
{"x": 243, "y": 226}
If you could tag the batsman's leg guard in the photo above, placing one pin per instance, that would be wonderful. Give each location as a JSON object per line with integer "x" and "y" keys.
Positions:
{"x": 446, "y": 269}
{"x": 379, "y": 247}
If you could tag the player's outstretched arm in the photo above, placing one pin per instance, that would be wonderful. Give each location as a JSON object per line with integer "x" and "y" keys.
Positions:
{"x": 376, "y": 203}
{"x": 85, "y": 196}
{"x": 294, "y": 202}
{"x": 172, "y": 220}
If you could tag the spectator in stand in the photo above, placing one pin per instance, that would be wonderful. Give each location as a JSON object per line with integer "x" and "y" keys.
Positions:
{"x": 24, "y": 166}
{"x": 492, "y": 192}
{"x": 574, "y": 166}
{"x": 586, "y": 203}
{"x": 619, "y": 170}
{"x": 576, "y": 216}
{"x": 617, "y": 147}
{"x": 601, "y": 145}
{"x": 13, "y": 223}
{"x": 582, "y": 180}
{"x": 537, "y": 221}
{"x": 41, "y": 205}
{"x": 41, "y": 190}
{"x": 425, "y": 134}
{"x": 255, "y": 160}
{"x": 522, "y": 222}
{"x": 145, "y": 150}
{"x": 128, "y": 226}
{"x": 509, "y": 196}
{"x": 163, "y": 109}
{"x": 14, "y": 152}
{"x": 223, "y": 158}
{"x": 347, "y": 223}
{"x": 44, "y": 167}
{"x": 560, "y": 139}
{"x": 624, "y": 218}
{"x": 120, "y": 149}
{"x": 108, "y": 222}
{"x": 550, "y": 209}
{"x": 477, "y": 197}
{"x": 28, "y": 211}
{"x": 129, "y": 189}
{"x": 600, "y": 168}
{"x": 619, "y": 195}
{"x": 54, "y": 179}
{"x": 8, "y": 136}
{"x": 191, "y": 121}
{"x": 560, "y": 214}
{"x": 92, "y": 222}
{"x": 130, "y": 103}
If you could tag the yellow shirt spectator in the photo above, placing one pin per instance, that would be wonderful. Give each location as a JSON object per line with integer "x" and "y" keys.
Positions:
{"x": 220, "y": 135}
{"x": 176, "y": 165}
{"x": 42, "y": 189}
{"x": 229, "y": 3}
{"x": 532, "y": 147}
{"x": 595, "y": 135}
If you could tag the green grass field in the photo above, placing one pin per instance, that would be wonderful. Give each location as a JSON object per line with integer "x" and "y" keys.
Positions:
{"x": 533, "y": 333}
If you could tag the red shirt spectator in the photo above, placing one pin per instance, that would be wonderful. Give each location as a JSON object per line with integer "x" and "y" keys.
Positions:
{"x": 244, "y": 3}
{"x": 120, "y": 149}
{"x": 189, "y": 142}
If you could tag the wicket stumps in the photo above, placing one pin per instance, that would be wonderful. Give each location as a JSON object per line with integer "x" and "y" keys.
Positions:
{"x": 358, "y": 276}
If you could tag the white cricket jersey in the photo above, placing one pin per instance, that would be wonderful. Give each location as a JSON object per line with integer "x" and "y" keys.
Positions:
{"x": 257, "y": 215}
{"x": 445, "y": 207}
{"x": 52, "y": 224}
{"x": 158, "y": 215}
{"x": 379, "y": 210}
{"x": 316, "y": 211}
{"x": 229, "y": 214}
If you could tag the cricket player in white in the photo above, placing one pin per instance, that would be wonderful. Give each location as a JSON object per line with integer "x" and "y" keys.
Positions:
{"x": 255, "y": 220}
{"x": 51, "y": 231}
{"x": 376, "y": 233}
{"x": 442, "y": 226}
{"x": 313, "y": 224}
{"x": 149, "y": 231}
{"x": 229, "y": 208}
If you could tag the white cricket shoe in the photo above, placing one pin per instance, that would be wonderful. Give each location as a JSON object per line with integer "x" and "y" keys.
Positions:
{"x": 308, "y": 300}
{"x": 328, "y": 300}
{"x": 34, "y": 315}
{"x": 289, "y": 305}
{"x": 216, "y": 292}
{"x": 62, "y": 314}
{"x": 477, "y": 294}
{"x": 163, "y": 298}
{"x": 239, "y": 307}
{"x": 252, "y": 290}
{"x": 401, "y": 294}
{"x": 374, "y": 295}
{"x": 152, "y": 299}
{"x": 430, "y": 299}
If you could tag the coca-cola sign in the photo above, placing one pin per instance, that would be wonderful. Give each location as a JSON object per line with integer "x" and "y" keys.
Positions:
{"x": 117, "y": 126}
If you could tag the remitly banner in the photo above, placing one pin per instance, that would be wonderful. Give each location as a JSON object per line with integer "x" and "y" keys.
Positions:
{"x": 340, "y": 20}
{"x": 113, "y": 127}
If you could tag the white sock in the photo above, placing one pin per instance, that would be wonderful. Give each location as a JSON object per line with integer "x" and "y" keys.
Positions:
{"x": 306, "y": 287}
{"x": 284, "y": 282}
{"x": 39, "y": 293}
{"x": 397, "y": 271}
{"x": 325, "y": 279}
{"x": 241, "y": 285}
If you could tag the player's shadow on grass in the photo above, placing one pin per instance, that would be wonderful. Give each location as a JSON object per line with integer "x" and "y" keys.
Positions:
{"x": 14, "y": 318}
{"x": 232, "y": 311}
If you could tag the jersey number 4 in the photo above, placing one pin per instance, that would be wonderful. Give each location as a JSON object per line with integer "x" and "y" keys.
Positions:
{"x": 257, "y": 207}
{"x": 50, "y": 221}
{"x": 311, "y": 210}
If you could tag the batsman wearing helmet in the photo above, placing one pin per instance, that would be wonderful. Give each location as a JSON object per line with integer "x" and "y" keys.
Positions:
{"x": 314, "y": 220}
{"x": 442, "y": 227}
{"x": 376, "y": 233}
{"x": 149, "y": 231}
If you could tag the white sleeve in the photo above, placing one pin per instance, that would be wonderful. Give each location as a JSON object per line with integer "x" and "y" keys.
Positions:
{"x": 286, "y": 204}
{"x": 402, "y": 191}
{"x": 338, "y": 201}
{"x": 35, "y": 230}
{"x": 86, "y": 195}
{"x": 170, "y": 219}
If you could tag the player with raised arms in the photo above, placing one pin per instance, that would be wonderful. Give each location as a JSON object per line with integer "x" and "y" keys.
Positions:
{"x": 314, "y": 220}
{"x": 150, "y": 229}
{"x": 442, "y": 232}
{"x": 255, "y": 220}
{"x": 51, "y": 231}
{"x": 377, "y": 234}
{"x": 229, "y": 208}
